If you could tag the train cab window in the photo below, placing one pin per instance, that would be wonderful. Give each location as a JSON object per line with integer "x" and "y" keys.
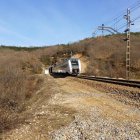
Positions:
{"x": 74, "y": 62}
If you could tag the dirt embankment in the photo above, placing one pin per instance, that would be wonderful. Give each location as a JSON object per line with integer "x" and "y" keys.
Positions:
{"x": 67, "y": 109}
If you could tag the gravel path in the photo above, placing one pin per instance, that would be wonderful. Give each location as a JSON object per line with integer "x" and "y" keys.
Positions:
{"x": 66, "y": 109}
{"x": 99, "y": 115}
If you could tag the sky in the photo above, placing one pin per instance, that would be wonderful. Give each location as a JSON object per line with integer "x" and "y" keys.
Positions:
{"x": 50, "y": 22}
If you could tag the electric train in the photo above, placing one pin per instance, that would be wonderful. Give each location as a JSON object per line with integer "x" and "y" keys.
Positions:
{"x": 70, "y": 66}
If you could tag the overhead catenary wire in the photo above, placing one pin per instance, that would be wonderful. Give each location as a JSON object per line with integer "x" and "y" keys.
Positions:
{"x": 117, "y": 21}
{"x": 124, "y": 25}
{"x": 119, "y": 17}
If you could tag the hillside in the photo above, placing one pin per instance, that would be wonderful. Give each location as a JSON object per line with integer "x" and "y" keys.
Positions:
{"x": 105, "y": 55}
{"x": 25, "y": 90}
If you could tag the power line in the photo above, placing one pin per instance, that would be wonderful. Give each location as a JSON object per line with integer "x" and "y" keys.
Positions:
{"x": 133, "y": 9}
{"x": 119, "y": 17}
{"x": 117, "y": 22}
{"x": 124, "y": 25}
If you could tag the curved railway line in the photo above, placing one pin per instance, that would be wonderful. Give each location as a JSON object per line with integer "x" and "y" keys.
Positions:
{"x": 124, "y": 82}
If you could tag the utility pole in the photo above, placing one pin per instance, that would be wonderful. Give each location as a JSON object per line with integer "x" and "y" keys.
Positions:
{"x": 127, "y": 17}
{"x": 103, "y": 30}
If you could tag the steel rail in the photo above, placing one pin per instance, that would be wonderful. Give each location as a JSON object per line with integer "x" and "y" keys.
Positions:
{"x": 124, "y": 82}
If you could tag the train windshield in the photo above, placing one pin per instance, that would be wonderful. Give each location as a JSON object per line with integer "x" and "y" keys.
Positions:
{"x": 74, "y": 62}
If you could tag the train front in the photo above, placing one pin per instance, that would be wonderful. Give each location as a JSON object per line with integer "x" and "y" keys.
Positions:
{"x": 75, "y": 66}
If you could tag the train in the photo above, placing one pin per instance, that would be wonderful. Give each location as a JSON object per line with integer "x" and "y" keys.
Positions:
{"x": 70, "y": 66}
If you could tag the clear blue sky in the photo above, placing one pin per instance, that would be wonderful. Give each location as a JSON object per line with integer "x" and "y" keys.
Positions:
{"x": 48, "y": 22}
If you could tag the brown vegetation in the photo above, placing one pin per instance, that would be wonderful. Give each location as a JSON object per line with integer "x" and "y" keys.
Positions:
{"x": 16, "y": 84}
{"x": 18, "y": 69}
{"x": 105, "y": 54}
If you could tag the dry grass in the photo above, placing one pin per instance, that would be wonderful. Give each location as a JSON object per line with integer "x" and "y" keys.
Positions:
{"x": 106, "y": 55}
{"x": 16, "y": 84}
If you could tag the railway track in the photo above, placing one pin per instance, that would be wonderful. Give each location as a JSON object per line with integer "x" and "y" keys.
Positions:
{"x": 124, "y": 82}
